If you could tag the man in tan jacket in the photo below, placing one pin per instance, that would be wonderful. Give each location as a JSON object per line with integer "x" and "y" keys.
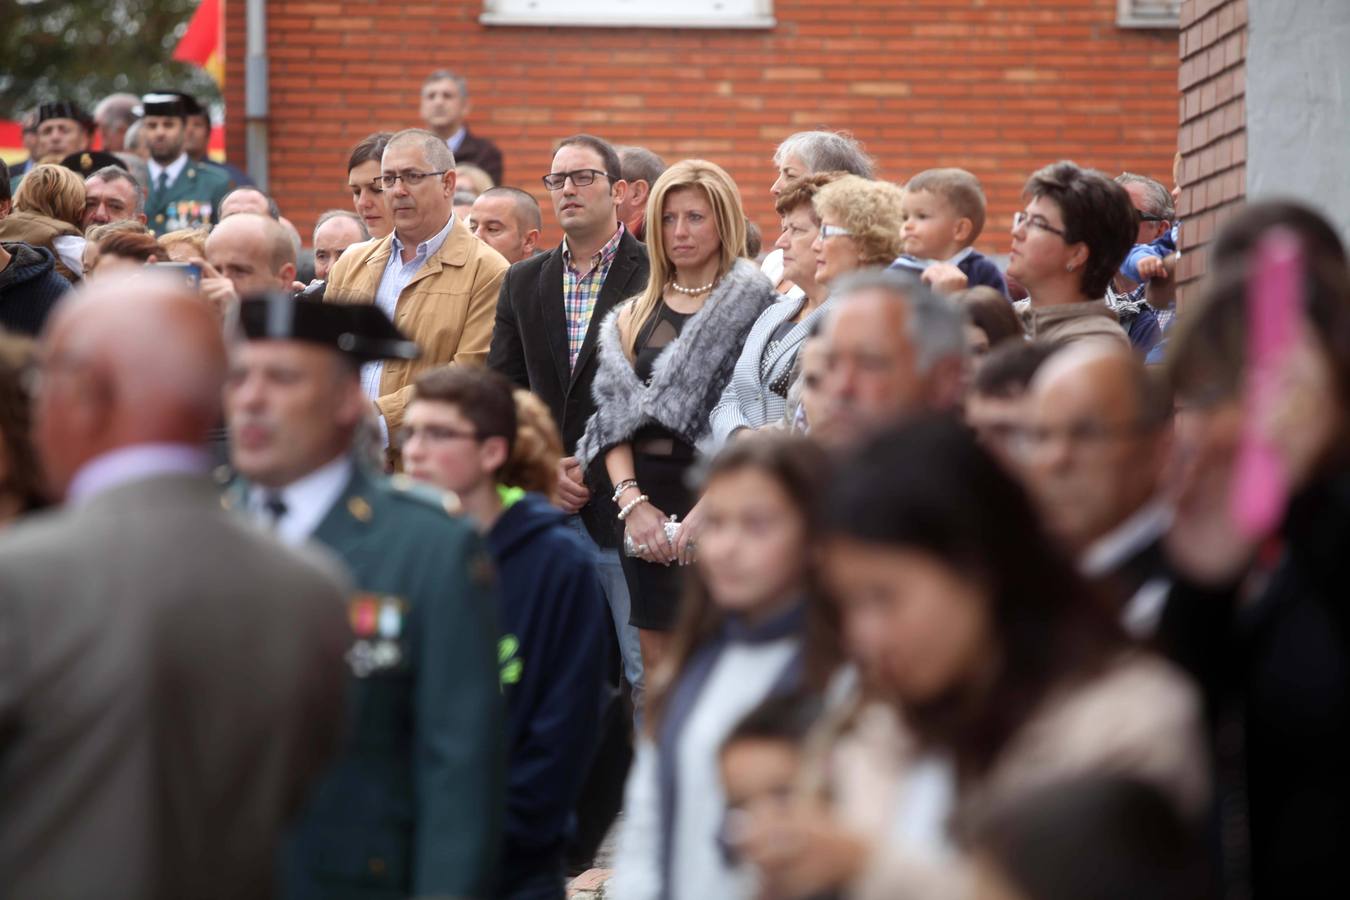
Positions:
{"x": 431, "y": 276}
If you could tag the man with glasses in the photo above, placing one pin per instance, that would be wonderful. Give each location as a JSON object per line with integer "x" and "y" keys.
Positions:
{"x": 1093, "y": 454}
{"x": 548, "y": 321}
{"x": 412, "y": 806}
{"x": 430, "y": 275}
{"x": 1127, "y": 292}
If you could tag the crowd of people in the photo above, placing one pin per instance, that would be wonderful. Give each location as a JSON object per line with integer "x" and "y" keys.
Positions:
{"x": 400, "y": 561}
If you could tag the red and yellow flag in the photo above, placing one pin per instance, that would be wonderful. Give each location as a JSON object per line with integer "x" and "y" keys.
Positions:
{"x": 203, "y": 44}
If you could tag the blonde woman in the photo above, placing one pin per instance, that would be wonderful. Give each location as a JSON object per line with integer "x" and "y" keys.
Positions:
{"x": 860, "y": 225}
{"x": 665, "y": 358}
{"x": 184, "y": 245}
{"x": 48, "y": 209}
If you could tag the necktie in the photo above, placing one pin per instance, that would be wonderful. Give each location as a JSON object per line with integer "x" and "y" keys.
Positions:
{"x": 162, "y": 183}
{"x": 275, "y": 508}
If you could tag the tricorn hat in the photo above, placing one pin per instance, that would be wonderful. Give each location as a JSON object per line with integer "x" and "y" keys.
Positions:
{"x": 361, "y": 331}
{"x": 64, "y": 109}
{"x": 87, "y": 162}
{"x": 161, "y": 104}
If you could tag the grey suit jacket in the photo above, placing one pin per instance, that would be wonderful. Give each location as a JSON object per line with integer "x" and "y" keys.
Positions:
{"x": 170, "y": 679}
{"x": 748, "y": 401}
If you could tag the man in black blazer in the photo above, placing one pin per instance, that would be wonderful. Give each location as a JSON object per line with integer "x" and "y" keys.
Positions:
{"x": 445, "y": 106}
{"x": 548, "y": 320}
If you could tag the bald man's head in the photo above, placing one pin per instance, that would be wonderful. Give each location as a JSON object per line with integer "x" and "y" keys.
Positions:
{"x": 255, "y": 252}
{"x": 131, "y": 359}
{"x": 1096, "y": 441}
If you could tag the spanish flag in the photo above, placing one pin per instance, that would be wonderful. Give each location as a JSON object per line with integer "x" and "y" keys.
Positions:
{"x": 203, "y": 44}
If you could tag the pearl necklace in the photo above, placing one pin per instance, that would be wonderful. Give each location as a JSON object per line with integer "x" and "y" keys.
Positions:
{"x": 694, "y": 291}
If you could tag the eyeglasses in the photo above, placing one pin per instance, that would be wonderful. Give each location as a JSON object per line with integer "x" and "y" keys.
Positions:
{"x": 411, "y": 179}
{"x": 1144, "y": 218}
{"x": 833, "y": 231}
{"x": 1023, "y": 219}
{"x": 436, "y": 434}
{"x": 555, "y": 181}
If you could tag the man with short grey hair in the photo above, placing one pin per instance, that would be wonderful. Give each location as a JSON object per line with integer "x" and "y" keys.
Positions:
{"x": 1127, "y": 293}
{"x": 113, "y": 116}
{"x": 445, "y": 106}
{"x": 892, "y": 348}
{"x": 335, "y": 231}
{"x": 640, "y": 167}
{"x": 430, "y": 275}
{"x": 112, "y": 194}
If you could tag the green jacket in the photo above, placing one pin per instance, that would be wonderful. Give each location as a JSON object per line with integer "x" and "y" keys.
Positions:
{"x": 191, "y": 201}
{"x": 413, "y": 805}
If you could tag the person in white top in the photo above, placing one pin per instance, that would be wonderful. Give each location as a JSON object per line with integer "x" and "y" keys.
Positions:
{"x": 739, "y": 644}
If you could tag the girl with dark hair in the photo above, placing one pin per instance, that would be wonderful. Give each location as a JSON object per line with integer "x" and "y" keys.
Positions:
{"x": 740, "y": 640}
{"x": 995, "y": 669}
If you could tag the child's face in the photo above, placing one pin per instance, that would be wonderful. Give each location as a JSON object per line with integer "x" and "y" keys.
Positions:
{"x": 932, "y": 229}
{"x": 759, "y": 773}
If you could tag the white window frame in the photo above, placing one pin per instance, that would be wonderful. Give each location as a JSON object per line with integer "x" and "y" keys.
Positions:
{"x": 1131, "y": 14}
{"x": 638, "y": 14}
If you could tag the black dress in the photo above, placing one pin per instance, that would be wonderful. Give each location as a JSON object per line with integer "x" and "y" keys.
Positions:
{"x": 661, "y": 463}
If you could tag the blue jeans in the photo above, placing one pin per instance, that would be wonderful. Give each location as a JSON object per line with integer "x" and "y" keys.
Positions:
{"x": 616, "y": 591}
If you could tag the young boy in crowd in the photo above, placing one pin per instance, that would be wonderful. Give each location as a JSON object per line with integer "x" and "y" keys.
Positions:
{"x": 943, "y": 212}
{"x": 760, "y": 763}
{"x": 464, "y": 432}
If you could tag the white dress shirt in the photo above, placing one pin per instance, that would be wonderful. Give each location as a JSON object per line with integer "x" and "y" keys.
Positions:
{"x": 173, "y": 170}
{"x": 1144, "y": 610}
{"x": 307, "y": 501}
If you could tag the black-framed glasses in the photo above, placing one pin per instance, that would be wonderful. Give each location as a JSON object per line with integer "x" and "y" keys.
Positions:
{"x": 554, "y": 181}
{"x": 411, "y": 179}
{"x": 1147, "y": 218}
{"x": 436, "y": 434}
{"x": 1024, "y": 219}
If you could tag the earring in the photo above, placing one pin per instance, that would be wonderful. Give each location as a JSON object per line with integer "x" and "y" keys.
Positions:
{"x": 1069, "y": 267}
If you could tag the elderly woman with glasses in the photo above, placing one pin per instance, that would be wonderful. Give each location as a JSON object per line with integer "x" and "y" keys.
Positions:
{"x": 859, "y": 227}
{"x": 1067, "y": 244}
{"x": 758, "y": 392}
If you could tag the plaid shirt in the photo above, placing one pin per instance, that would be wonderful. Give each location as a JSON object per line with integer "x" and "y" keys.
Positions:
{"x": 582, "y": 289}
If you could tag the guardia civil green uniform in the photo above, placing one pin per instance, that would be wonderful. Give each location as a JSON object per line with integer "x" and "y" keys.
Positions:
{"x": 413, "y": 804}
{"x": 193, "y": 198}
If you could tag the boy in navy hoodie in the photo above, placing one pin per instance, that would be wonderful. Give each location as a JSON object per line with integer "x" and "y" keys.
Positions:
{"x": 943, "y": 212}
{"x": 462, "y": 433}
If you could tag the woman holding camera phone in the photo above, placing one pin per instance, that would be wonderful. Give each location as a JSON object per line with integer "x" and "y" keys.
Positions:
{"x": 665, "y": 358}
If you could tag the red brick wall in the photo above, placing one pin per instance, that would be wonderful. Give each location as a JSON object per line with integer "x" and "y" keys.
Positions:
{"x": 1000, "y": 87}
{"x": 1213, "y": 136}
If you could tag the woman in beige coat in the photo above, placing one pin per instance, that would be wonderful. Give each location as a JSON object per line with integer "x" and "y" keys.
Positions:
{"x": 988, "y": 668}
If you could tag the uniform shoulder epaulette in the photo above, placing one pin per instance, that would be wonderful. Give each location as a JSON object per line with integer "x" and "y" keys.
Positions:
{"x": 409, "y": 488}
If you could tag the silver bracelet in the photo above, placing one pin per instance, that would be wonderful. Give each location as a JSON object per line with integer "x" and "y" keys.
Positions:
{"x": 623, "y": 486}
{"x": 624, "y": 513}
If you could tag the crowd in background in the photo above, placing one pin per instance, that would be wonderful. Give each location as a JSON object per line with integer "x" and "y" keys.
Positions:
{"x": 867, "y": 566}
